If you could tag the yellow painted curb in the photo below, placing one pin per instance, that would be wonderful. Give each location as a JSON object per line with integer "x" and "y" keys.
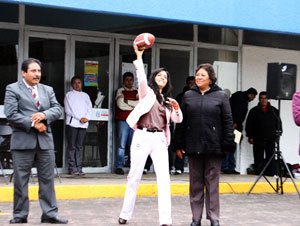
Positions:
{"x": 69, "y": 192}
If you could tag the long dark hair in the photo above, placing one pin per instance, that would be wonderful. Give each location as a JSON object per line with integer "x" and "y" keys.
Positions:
{"x": 166, "y": 91}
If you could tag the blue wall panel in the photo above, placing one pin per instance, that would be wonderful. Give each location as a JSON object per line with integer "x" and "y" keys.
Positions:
{"x": 267, "y": 15}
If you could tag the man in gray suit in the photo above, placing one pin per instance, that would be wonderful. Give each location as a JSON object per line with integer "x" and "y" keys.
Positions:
{"x": 30, "y": 107}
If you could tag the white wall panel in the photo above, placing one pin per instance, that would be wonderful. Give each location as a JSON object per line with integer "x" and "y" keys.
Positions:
{"x": 254, "y": 74}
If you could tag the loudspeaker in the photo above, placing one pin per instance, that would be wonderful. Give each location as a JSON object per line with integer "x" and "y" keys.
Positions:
{"x": 281, "y": 81}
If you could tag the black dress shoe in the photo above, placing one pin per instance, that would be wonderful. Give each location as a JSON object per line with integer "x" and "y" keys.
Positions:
{"x": 119, "y": 171}
{"x": 54, "y": 220}
{"x": 81, "y": 173}
{"x": 214, "y": 223}
{"x": 196, "y": 223}
{"x": 122, "y": 221}
{"x": 74, "y": 173}
{"x": 18, "y": 220}
{"x": 233, "y": 172}
{"x": 226, "y": 171}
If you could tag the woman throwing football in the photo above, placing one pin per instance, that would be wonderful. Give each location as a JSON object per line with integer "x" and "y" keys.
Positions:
{"x": 150, "y": 120}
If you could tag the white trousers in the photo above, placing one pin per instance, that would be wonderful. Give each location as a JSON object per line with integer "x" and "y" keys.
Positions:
{"x": 143, "y": 144}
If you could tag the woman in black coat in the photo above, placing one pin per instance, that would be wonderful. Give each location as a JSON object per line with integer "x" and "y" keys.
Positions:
{"x": 205, "y": 134}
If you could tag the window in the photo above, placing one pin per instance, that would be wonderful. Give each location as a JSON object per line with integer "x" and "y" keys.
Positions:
{"x": 8, "y": 59}
{"x": 225, "y": 66}
{"x": 106, "y": 23}
{"x": 9, "y": 12}
{"x": 217, "y": 35}
{"x": 274, "y": 40}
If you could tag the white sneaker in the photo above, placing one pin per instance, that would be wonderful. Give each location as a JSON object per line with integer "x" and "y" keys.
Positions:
{"x": 178, "y": 172}
{"x": 172, "y": 171}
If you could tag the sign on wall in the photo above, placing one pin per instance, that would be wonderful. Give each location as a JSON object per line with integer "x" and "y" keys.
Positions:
{"x": 91, "y": 73}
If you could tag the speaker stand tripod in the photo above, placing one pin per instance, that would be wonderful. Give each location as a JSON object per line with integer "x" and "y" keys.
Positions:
{"x": 279, "y": 161}
{"x": 279, "y": 173}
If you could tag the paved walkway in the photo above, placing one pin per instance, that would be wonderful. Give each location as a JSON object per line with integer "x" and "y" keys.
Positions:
{"x": 112, "y": 185}
{"x": 236, "y": 210}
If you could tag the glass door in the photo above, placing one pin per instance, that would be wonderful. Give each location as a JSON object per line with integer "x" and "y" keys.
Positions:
{"x": 9, "y": 51}
{"x": 92, "y": 61}
{"x": 123, "y": 63}
{"x": 51, "y": 50}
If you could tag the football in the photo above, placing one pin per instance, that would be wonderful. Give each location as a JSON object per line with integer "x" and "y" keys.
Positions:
{"x": 144, "y": 41}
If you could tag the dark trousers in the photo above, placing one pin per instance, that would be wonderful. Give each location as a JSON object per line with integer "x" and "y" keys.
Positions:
{"x": 179, "y": 163}
{"x": 260, "y": 148}
{"x": 23, "y": 161}
{"x": 75, "y": 138}
{"x": 204, "y": 172}
{"x": 228, "y": 162}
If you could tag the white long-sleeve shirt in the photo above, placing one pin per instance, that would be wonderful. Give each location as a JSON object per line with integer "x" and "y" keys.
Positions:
{"x": 77, "y": 106}
{"x": 130, "y": 105}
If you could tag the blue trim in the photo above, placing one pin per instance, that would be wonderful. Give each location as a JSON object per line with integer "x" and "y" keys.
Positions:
{"x": 267, "y": 15}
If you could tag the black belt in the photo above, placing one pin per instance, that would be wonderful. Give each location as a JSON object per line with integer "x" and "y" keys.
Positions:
{"x": 152, "y": 130}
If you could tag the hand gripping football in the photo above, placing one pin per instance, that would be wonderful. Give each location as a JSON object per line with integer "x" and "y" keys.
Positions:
{"x": 144, "y": 41}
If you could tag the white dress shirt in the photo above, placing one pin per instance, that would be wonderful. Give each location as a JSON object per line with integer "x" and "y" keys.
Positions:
{"x": 77, "y": 106}
{"x": 35, "y": 90}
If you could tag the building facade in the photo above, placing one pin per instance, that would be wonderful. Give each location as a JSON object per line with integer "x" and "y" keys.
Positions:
{"x": 97, "y": 46}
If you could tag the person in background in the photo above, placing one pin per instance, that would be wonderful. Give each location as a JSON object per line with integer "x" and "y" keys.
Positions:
{"x": 189, "y": 83}
{"x": 239, "y": 106}
{"x": 150, "y": 119}
{"x": 204, "y": 135}
{"x": 78, "y": 109}
{"x": 262, "y": 129}
{"x": 296, "y": 109}
{"x": 30, "y": 107}
{"x": 126, "y": 100}
{"x": 179, "y": 159}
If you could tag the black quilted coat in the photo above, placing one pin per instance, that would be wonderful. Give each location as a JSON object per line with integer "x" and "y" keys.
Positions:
{"x": 207, "y": 126}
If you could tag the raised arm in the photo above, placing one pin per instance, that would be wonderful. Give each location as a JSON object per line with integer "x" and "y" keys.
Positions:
{"x": 140, "y": 72}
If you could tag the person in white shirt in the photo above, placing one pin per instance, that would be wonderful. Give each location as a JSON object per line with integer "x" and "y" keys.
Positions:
{"x": 78, "y": 108}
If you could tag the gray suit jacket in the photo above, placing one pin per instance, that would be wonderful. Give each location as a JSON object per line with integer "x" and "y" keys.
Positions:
{"x": 19, "y": 105}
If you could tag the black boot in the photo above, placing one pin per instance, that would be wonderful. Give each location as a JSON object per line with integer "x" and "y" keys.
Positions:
{"x": 196, "y": 223}
{"x": 214, "y": 223}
